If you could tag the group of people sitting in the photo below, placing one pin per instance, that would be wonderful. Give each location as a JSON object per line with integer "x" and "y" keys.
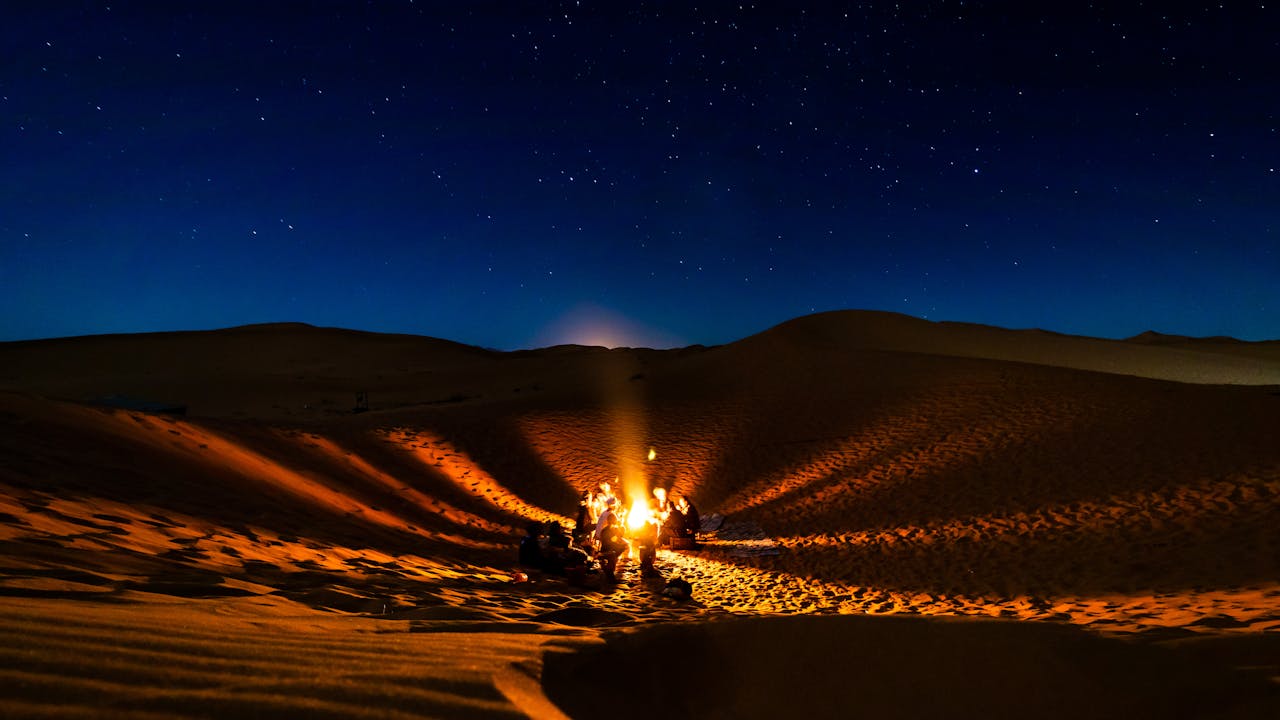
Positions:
{"x": 603, "y": 532}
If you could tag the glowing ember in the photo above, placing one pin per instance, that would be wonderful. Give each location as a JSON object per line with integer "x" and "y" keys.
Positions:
{"x": 639, "y": 514}
{"x": 652, "y": 454}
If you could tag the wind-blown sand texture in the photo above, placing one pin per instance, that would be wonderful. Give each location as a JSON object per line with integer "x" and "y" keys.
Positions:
{"x": 1050, "y": 539}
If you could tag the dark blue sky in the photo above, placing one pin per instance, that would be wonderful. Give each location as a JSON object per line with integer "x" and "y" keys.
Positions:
{"x": 520, "y": 174}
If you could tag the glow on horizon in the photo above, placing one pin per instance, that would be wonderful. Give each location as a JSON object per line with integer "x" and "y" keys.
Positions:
{"x": 596, "y": 326}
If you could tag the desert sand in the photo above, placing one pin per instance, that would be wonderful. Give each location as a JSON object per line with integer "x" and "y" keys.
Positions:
{"x": 910, "y": 519}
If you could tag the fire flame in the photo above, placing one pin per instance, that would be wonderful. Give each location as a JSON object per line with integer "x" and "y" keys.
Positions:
{"x": 639, "y": 514}
{"x": 652, "y": 454}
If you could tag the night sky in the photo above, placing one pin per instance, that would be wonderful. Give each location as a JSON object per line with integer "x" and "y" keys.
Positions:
{"x": 521, "y": 174}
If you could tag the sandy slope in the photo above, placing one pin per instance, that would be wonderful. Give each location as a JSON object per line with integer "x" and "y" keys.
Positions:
{"x": 274, "y": 554}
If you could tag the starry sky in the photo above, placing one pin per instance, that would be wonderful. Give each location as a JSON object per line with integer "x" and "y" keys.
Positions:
{"x": 515, "y": 175}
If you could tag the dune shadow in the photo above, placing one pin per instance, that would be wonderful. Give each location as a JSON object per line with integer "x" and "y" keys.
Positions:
{"x": 408, "y": 453}
{"x": 52, "y": 594}
{"x": 813, "y": 432}
{"x": 191, "y": 590}
{"x": 55, "y": 583}
{"x": 501, "y": 448}
{"x": 895, "y": 667}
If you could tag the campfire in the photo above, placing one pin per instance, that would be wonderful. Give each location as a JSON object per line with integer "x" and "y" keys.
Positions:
{"x": 639, "y": 514}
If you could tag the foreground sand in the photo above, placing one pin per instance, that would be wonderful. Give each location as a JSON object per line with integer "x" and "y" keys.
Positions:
{"x": 1050, "y": 540}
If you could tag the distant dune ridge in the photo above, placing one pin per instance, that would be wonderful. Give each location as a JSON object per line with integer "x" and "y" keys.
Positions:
{"x": 1150, "y": 355}
{"x": 1069, "y": 526}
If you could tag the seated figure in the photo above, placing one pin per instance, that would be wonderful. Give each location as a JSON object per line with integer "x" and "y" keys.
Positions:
{"x": 690, "y": 523}
{"x": 612, "y": 546}
{"x": 558, "y": 544}
{"x": 531, "y": 545}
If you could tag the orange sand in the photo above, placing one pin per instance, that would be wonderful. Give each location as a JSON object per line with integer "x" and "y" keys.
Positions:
{"x": 273, "y": 553}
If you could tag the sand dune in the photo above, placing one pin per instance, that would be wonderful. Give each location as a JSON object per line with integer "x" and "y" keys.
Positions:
{"x": 1064, "y": 541}
{"x": 1151, "y": 355}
